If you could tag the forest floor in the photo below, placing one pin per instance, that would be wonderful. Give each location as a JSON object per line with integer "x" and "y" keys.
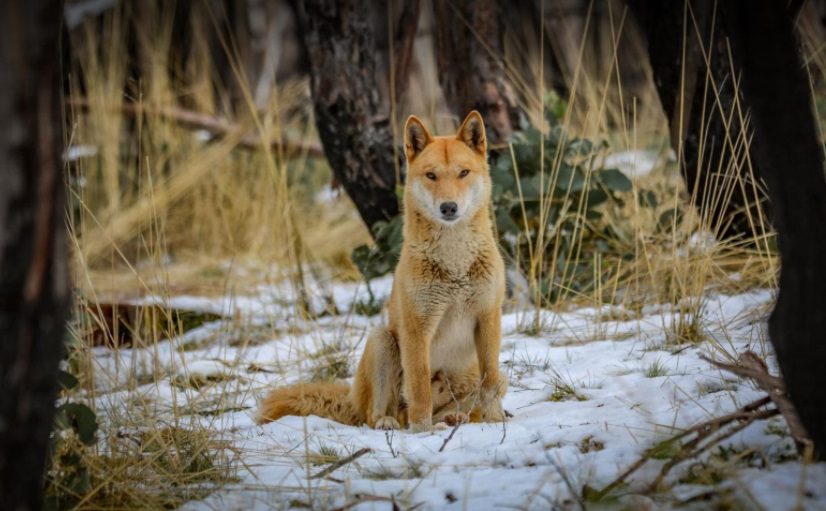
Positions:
{"x": 591, "y": 393}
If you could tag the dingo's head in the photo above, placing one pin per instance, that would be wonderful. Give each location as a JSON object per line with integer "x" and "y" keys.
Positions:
{"x": 447, "y": 177}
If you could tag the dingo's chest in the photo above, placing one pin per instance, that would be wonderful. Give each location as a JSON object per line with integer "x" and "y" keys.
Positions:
{"x": 453, "y": 347}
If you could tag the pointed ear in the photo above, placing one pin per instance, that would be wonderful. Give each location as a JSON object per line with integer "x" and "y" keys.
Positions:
{"x": 416, "y": 137}
{"x": 472, "y": 133}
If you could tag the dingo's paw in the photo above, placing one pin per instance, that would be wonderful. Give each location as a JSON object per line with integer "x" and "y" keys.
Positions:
{"x": 454, "y": 419}
{"x": 387, "y": 423}
{"x": 421, "y": 426}
{"x": 492, "y": 411}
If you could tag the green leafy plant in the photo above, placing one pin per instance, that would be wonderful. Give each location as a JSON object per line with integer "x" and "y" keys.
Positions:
{"x": 76, "y": 427}
{"x": 550, "y": 195}
{"x": 379, "y": 259}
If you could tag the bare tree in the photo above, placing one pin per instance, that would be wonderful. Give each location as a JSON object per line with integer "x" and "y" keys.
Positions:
{"x": 34, "y": 291}
{"x": 776, "y": 90}
{"x": 688, "y": 50}
{"x": 354, "y": 127}
{"x": 471, "y": 71}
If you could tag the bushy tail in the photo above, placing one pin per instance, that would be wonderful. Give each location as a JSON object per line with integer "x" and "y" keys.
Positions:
{"x": 328, "y": 400}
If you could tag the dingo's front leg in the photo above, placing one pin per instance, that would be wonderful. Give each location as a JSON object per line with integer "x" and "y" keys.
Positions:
{"x": 414, "y": 347}
{"x": 488, "y": 335}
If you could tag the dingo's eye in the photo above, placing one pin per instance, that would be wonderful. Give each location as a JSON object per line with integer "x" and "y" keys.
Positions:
{"x": 431, "y": 176}
{"x": 464, "y": 173}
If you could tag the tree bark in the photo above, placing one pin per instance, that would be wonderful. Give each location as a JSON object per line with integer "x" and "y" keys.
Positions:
{"x": 775, "y": 89}
{"x": 468, "y": 55}
{"x": 34, "y": 291}
{"x": 692, "y": 72}
{"x": 406, "y": 28}
{"x": 524, "y": 31}
{"x": 355, "y": 131}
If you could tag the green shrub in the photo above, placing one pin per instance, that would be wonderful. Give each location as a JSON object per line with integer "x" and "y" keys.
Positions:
{"x": 550, "y": 195}
{"x": 68, "y": 476}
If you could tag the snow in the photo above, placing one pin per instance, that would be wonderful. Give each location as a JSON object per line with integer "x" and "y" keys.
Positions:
{"x": 533, "y": 461}
{"x": 76, "y": 12}
{"x": 77, "y": 152}
{"x": 327, "y": 195}
{"x": 635, "y": 163}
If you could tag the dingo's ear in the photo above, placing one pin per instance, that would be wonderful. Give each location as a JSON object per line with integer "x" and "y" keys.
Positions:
{"x": 472, "y": 133}
{"x": 416, "y": 137}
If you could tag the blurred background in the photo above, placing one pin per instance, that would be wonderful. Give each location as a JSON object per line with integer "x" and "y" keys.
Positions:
{"x": 218, "y": 150}
{"x": 193, "y": 137}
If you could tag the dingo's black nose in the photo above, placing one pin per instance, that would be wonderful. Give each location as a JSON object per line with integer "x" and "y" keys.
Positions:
{"x": 448, "y": 209}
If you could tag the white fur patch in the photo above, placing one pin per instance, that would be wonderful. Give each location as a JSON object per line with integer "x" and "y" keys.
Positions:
{"x": 424, "y": 200}
{"x": 473, "y": 199}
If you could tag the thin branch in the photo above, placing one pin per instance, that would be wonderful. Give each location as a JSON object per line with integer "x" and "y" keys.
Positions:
{"x": 750, "y": 365}
{"x": 452, "y": 432}
{"x": 714, "y": 440}
{"x": 340, "y": 463}
{"x": 216, "y": 126}
{"x": 388, "y": 437}
{"x": 705, "y": 430}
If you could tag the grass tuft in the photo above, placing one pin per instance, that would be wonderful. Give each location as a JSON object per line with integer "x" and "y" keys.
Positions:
{"x": 656, "y": 369}
{"x": 564, "y": 389}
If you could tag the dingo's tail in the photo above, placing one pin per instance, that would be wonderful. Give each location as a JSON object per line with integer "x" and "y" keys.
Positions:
{"x": 328, "y": 400}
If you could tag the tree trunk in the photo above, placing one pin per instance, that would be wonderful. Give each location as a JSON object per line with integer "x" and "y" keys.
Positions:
{"x": 523, "y": 36}
{"x": 689, "y": 58}
{"x": 339, "y": 42}
{"x": 405, "y": 36}
{"x": 34, "y": 292}
{"x": 469, "y": 57}
{"x": 775, "y": 88}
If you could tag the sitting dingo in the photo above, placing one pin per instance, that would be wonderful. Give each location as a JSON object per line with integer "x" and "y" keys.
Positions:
{"x": 440, "y": 346}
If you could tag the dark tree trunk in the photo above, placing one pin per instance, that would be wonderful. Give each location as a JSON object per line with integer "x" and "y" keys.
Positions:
{"x": 469, "y": 57}
{"x": 524, "y": 30}
{"x": 339, "y": 42}
{"x": 407, "y": 26}
{"x": 775, "y": 88}
{"x": 700, "y": 103}
{"x": 34, "y": 293}
{"x": 565, "y": 23}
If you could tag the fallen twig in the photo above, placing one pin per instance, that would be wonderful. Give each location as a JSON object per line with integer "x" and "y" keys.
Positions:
{"x": 459, "y": 412}
{"x": 504, "y": 430}
{"x": 695, "y": 449}
{"x": 711, "y": 430}
{"x": 452, "y": 432}
{"x": 750, "y": 365}
{"x": 340, "y": 463}
{"x": 388, "y": 437}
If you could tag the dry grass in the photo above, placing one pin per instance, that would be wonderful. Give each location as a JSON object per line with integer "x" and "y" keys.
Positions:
{"x": 158, "y": 189}
{"x": 155, "y": 469}
{"x": 674, "y": 263}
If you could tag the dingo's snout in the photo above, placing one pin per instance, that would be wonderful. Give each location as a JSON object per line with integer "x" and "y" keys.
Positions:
{"x": 449, "y": 210}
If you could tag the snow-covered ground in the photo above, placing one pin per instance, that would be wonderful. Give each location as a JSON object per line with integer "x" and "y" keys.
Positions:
{"x": 589, "y": 395}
